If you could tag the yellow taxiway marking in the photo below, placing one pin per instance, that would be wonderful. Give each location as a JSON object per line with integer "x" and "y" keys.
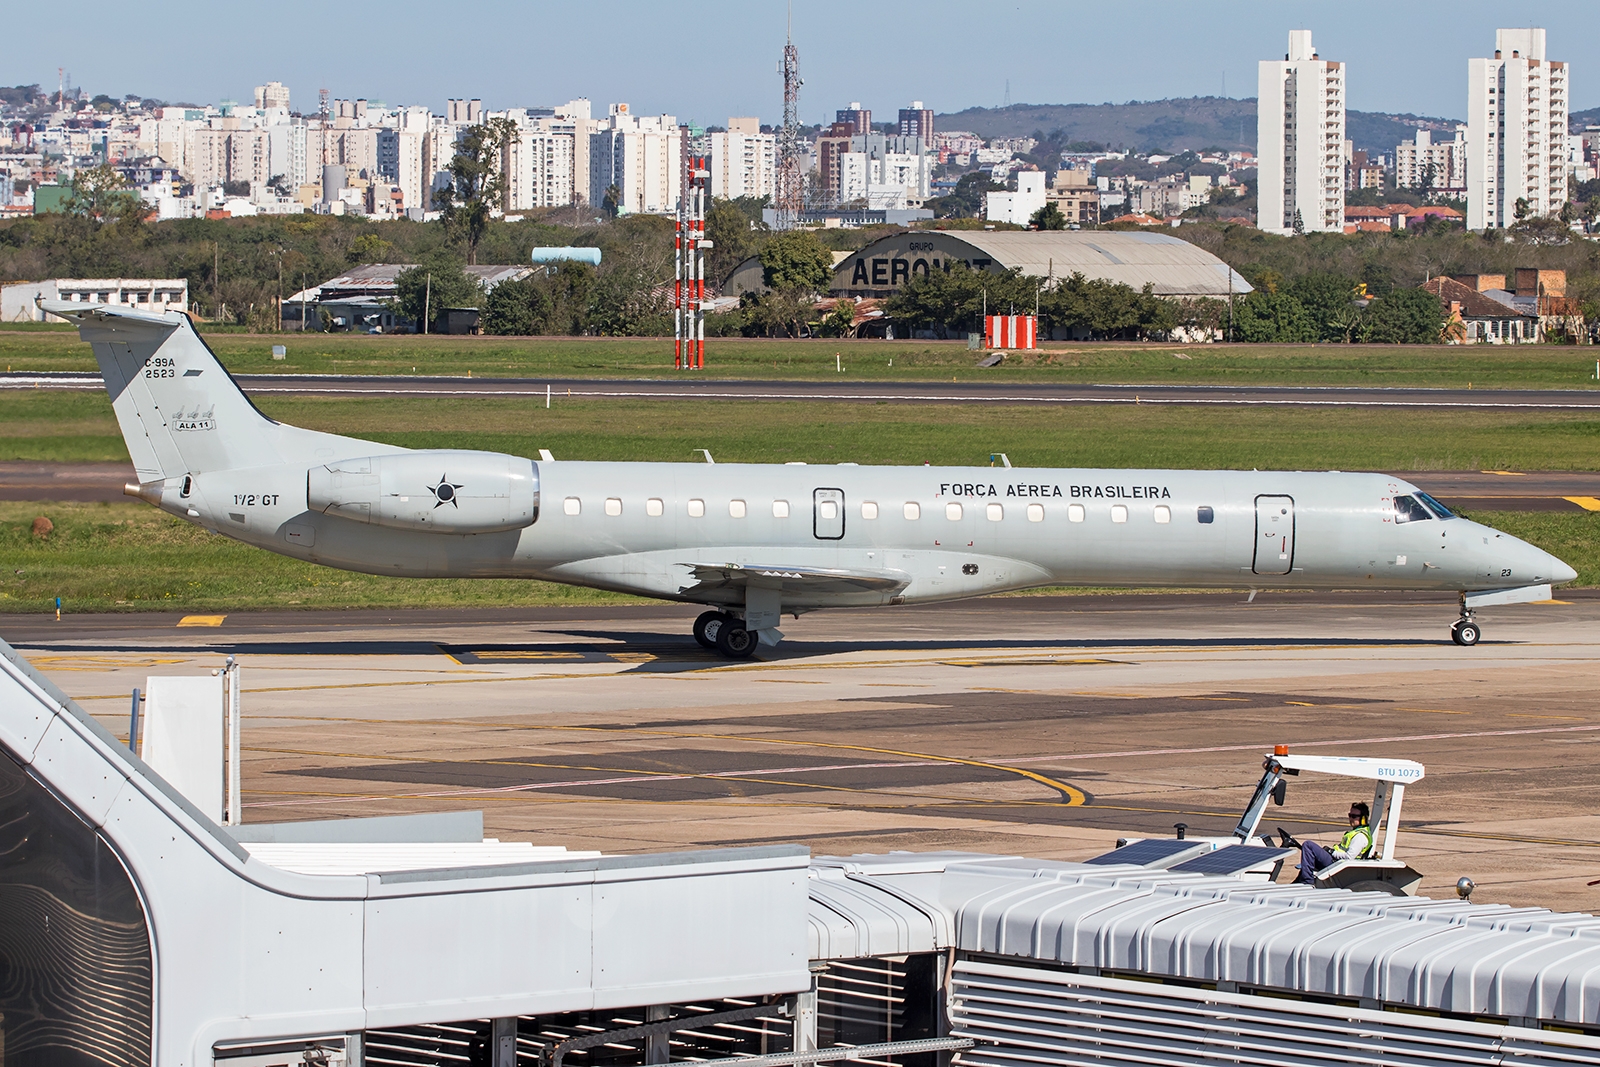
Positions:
{"x": 1434, "y": 711}
{"x": 1508, "y": 474}
{"x": 1587, "y": 503}
{"x": 1519, "y": 715}
{"x": 201, "y": 620}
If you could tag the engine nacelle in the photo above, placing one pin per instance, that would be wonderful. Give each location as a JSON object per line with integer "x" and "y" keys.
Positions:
{"x": 444, "y": 492}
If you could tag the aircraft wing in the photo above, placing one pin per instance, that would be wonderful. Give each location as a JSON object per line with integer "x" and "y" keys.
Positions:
{"x": 796, "y": 580}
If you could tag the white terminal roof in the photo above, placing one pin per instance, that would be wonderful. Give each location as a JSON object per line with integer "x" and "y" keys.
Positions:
{"x": 1435, "y": 955}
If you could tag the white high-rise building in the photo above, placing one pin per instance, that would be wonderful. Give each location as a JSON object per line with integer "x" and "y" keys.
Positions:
{"x": 742, "y": 160}
{"x": 1516, "y": 131}
{"x": 1441, "y": 166}
{"x": 1300, "y": 141}
{"x": 642, "y": 157}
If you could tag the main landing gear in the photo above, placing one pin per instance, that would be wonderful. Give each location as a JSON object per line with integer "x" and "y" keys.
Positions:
{"x": 724, "y": 633}
{"x": 1466, "y": 631}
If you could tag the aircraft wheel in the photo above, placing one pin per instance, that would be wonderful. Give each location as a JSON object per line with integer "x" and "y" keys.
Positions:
{"x": 1372, "y": 885}
{"x": 706, "y": 627}
{"x": 734, "y": 641}
{"x": 1465, "y": 632}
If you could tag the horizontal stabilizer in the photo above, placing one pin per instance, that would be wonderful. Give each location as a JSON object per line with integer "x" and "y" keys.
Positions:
{"x": 811, "y": 580}
{"x": 1489, "y": 598}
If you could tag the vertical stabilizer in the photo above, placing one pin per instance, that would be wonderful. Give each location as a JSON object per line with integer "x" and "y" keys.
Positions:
{"x": 179, "y": 410}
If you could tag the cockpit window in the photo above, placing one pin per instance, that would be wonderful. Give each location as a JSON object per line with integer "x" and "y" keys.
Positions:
{"x": 1436, "y": 507}
{"x": 1406, "y": 509}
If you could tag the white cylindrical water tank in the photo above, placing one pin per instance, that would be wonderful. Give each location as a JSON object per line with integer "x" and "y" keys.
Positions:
{"x": 567, "y": 254}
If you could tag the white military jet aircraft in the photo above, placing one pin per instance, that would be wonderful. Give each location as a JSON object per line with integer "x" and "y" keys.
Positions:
{"x": 755, "y": 542}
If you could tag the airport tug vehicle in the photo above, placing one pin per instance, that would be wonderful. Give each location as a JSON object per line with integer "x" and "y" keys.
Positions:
{"x": 1379, "y": 871}
{"x": 1249, "y": 855}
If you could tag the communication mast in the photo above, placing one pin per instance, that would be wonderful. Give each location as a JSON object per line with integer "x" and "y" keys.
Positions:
{"x": 322, "y": 105}
{"x": 689, "y": 292}
{"x": 789, "y": 182}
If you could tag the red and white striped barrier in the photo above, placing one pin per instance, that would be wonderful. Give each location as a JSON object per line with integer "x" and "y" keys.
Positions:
{"x": 1011, "y": 331}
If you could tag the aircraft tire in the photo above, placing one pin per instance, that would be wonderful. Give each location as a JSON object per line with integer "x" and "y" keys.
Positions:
{"x": 705, "y": 628}
{"x": 734, "y": 641}
{"x": 1465, "y": 633}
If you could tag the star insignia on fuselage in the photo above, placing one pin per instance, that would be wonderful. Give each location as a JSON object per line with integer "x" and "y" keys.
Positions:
{"x": 445, "y": 492}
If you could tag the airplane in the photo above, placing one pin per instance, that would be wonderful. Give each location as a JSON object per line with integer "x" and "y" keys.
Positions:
{"x": 755, "y": 542}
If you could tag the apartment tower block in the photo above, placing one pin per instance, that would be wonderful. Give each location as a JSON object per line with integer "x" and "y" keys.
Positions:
{"x": 1300, "y": 141}
{"x": 1516, "y": 131}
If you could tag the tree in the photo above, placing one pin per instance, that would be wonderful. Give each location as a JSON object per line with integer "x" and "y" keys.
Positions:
{"x": 611, "y": 203}
{"x": 1048, "y": 217}
{"x": 1328, "y": 299}
{"x": 966, "y": 201}
{"x": 100, "y": 194}
{"x": 1299, "y": 222}
{"x": 477, "y": 183}
{"x": 841, "y": 321}
{"x": 436, "y": 283}
{"x": 1273, "y": 318}
{"x": 1404, "y": 317}
{"x": 734, "y": 238}
{"x": 796, "y": 262}
{"x": 369, "y": 248}
{"x": 1522, "y": 209}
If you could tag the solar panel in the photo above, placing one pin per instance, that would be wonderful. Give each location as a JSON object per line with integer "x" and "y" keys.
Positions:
{"x": 1234, "y": 859}
{"x": 1152, "y": 852}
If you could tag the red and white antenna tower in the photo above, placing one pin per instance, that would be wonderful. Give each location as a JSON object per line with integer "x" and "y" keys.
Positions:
{"x": 789, "y": 182}
{"x": 689, "y": 292}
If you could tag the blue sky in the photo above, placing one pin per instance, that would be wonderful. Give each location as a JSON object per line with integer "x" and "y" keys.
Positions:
{"x": 1406, "y": 57}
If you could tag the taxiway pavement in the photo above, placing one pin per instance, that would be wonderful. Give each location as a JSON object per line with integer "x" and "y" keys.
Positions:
{"x": 1044, "y": 726}
{"x": 912, "y": 392}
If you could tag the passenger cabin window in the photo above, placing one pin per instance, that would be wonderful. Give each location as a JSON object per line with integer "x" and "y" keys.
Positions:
{"x": 952, "y": 512}
{"x": 697, "y": 508}
{"x": 1074, "y": 512}
{"x": 994, "y": 512}
{"x": 1205, "y": 514}
{"x": 654, "y": 507}
{"x": 736, "y": 509}
{"x": 1035, "y": 512}
{"x": 913, "y": 510}
{"x": 1436, "y": 507}
{"x": 1119, "y": 513}
{"x": 827, "y": 509}
{"x": 780, "y": 509}
{"x": 869, "y": 509}
{"x": 1163, "y": 514}
{"x": 613, "y": 506}
{"x": 1408, "y": 509}
{"x": 572, "y": 505}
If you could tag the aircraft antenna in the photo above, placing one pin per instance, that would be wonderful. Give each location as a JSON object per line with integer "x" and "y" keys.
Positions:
{"x": 790, "y": 182}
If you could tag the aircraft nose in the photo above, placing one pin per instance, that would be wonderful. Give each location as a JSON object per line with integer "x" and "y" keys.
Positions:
{"x": 1560, "y": 572}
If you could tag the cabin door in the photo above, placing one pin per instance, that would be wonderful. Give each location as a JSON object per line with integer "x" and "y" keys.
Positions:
{"x": 1274, "y": 534}
{"x": 827, "y": 514}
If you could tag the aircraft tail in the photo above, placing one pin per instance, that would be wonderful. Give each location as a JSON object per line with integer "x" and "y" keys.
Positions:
{"x": 179, "y": 409}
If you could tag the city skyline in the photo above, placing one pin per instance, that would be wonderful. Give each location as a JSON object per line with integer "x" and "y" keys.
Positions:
{"x": 1400, "y": 60}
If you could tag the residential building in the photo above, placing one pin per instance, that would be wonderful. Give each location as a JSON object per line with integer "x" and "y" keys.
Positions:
{"x": 1076, "y": 194}
{"x": 1489, "y": 312}
{"x": 1301, "y": 141}
{"x": 1437, "y": 167}
{"x": 858, "y": 118}
{"x": 642, "y": 156}
{"x": 743, "y": 160}
{"x": 1516, "y": 131}
{"x": 917, "y": 121}
{"x": 887, "y": 173}
{"x": 272, "y": 94}
{"x": 463, "y": 112}
{"x": 538, "y": 167}
{"x": 1017, "y": 207}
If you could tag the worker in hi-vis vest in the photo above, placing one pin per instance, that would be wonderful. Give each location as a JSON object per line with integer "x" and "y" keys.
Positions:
{"x": 1356, "y": 844}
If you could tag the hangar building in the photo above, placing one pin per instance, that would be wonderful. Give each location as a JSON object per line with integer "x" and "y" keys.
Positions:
{"x": 1172, "y": 267}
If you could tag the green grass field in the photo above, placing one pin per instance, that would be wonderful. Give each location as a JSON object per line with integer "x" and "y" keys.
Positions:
{"x": 1481, "y": 366}
{"x": 47, "y": 425}
{"x": 131, "y": 557}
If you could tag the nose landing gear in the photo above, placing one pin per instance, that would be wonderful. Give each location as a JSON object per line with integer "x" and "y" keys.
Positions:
{"x": 1466, "y": 630}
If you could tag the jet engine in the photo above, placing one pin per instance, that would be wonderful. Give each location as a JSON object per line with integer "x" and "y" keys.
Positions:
{"x": 453, "y": 492}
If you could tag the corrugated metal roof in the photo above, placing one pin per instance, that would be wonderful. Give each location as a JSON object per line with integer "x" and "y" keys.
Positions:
{"x": 1439, "y": 955}
{"x": 1171, "y": 266}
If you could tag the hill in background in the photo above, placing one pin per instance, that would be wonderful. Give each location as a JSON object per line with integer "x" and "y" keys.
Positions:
{"x": 1176, "y": 125}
